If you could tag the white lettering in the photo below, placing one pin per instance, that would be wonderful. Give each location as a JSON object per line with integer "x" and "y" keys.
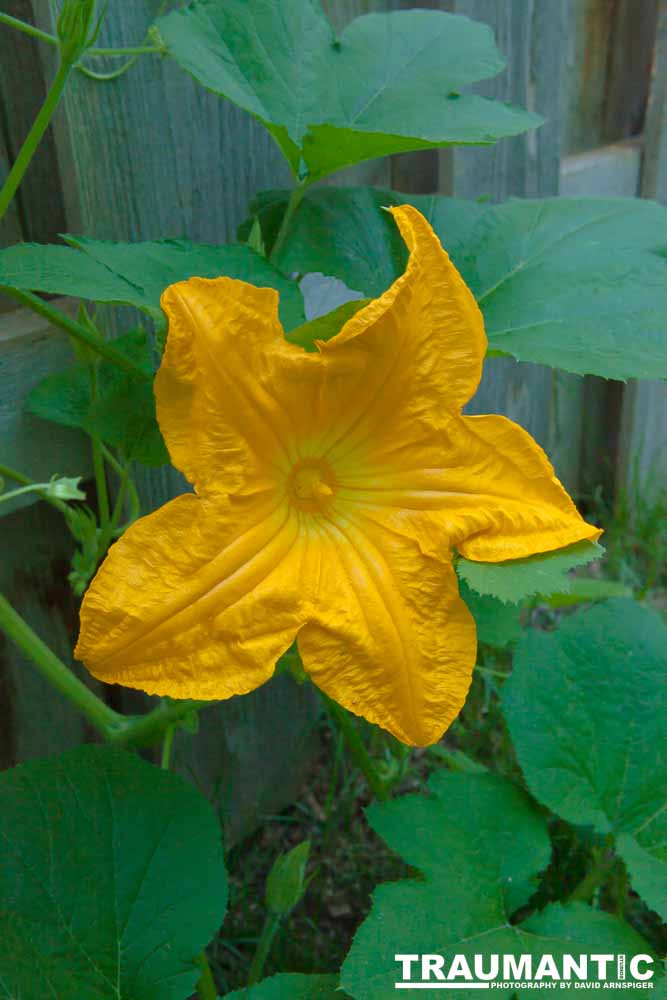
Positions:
{"x": 459, "y": 967}
{"x": 432, "y": 967}
{"x": 547, "y": 968}
{"x": 602, "y": 961}
{"x": 406, "y": 961}
{"x": 635, "y": 971}
{"x": 570, "y": 965}
{"x": 523, "y": 969}
{"x": 480, "y": 972}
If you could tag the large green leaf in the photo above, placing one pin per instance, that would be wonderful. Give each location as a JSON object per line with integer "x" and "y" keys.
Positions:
{"x": 517, "y": 579}
{"x": 479, "y": 844}
{"x": 136, "y": 274}
{"x": 587, "y": 710}
{"x": 122, "y": 413}
{"x": 571, "y": 283}
{"x": 111, "y": 879}
{"x": 567, "y": 282}
{"x": 388, "y": 84}
{"x": 291, "y": 986}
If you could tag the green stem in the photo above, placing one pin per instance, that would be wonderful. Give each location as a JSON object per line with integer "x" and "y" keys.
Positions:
{"x": 121, "y": 730}
{"x": 10, "y": 473}
{"x": 137, "y": 50}
{"x": 101, "y": 484}
{"x": 28, "y": 29}
{"x": 142, "y": 730}
{"x": 206, "y": 987}
{"x": 76, "y": 330}
{"x": 357, "y": 748}
{"x": 34, "y": 137}
{"x": 269, "y": 930}
{"x": 166, "y": 746}
{"x": 128, "y": 482}
{"x": 61, "y": 677}
{"x": 295, "y": 199}
{"x": 602, "y": 864}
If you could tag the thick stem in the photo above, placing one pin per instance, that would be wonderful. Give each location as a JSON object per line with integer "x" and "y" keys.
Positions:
{"x": 142, "y": 730}
{"x": 206, "y": 987}
{"x": 121, "y": 730}
{"x": 167, "y": 744}
{"x": 76, "y": 330}
{"x": 34, "y": 137}
{"x": 269, "y": 930}
{"x": 602, "y": 865}
{"x": 295, "y": 199}
{"x": 61, "y": 677}
{"x": 357, "y": 748}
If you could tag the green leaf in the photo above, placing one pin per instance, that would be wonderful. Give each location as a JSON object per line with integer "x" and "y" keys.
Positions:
{"x": 516, "y": 579}
{"x": 111, "y": 879}
{"x": 325, "y": 327}
{"x": 571, "y": 283}
{"x": 388, "y": 84}
{"x": 136, "y": 274}
{"x": 498, "y": 624}
{"x": 586, "y": 708}
{"x": 584, "y": 589}
{"x": 291, "y": 986}
{"x": 123, "y": 410}
{"x": 479, "y": 844}
{"x": 286, "y": 882}
{"x": 567, "y": 282}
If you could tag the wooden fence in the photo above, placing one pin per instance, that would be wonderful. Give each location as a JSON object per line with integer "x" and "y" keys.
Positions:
{"x": 152, "y": 154}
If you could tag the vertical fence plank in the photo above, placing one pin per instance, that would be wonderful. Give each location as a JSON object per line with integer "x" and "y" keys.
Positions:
{"x": 642, "y": 460}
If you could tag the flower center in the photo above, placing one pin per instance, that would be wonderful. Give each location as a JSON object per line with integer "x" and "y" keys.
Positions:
{"x": 311, "y": 485}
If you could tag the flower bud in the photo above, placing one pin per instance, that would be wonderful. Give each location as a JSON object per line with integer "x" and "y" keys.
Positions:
{"x": 286, "y": 883}
{"x": 76, "y": 28}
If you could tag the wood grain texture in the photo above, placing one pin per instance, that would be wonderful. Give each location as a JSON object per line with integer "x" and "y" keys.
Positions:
{"x": 30, "y": 349}
{"x": 531, "y": 36}
{"x": 38, "y": 203}
{"x": 642, "y": 460}
{"x": 34, "y": 720}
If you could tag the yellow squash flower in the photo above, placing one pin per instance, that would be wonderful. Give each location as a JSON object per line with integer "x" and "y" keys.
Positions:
{"x": 331, "y": 489}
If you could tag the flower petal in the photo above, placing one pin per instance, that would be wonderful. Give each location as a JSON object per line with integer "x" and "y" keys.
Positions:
{"x": 389, "y": 637}
{"x": 216, "y": 406}
{"x": 488, "y": 485}
{"x": 197, "y": 600}
{"x": 419, "y": 347}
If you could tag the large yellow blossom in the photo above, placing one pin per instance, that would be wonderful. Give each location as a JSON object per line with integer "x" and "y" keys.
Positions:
{"x": 331, "y": 489}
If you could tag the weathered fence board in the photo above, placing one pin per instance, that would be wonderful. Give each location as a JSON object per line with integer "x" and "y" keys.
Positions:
{"x": 642, "y": 460}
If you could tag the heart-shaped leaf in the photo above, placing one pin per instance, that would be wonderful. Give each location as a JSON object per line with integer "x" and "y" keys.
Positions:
{"x": 388, "y": 84}
{"x": 111, "y": 879}
{"x": 586, "y": 707}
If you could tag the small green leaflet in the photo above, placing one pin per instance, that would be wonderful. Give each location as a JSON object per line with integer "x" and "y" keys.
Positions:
{"x": 136, "y": 274}
{"x": 291, "y": 986}
{"x": 586, "y": 707}
{"x": 479, "y": 844}
{"x": 111, "y": 878}
{"x": 122, "y": 413}
{"x": 573, "y": 283}
{"x": 517, "y": 579}
{"x": 389, "y": 83}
